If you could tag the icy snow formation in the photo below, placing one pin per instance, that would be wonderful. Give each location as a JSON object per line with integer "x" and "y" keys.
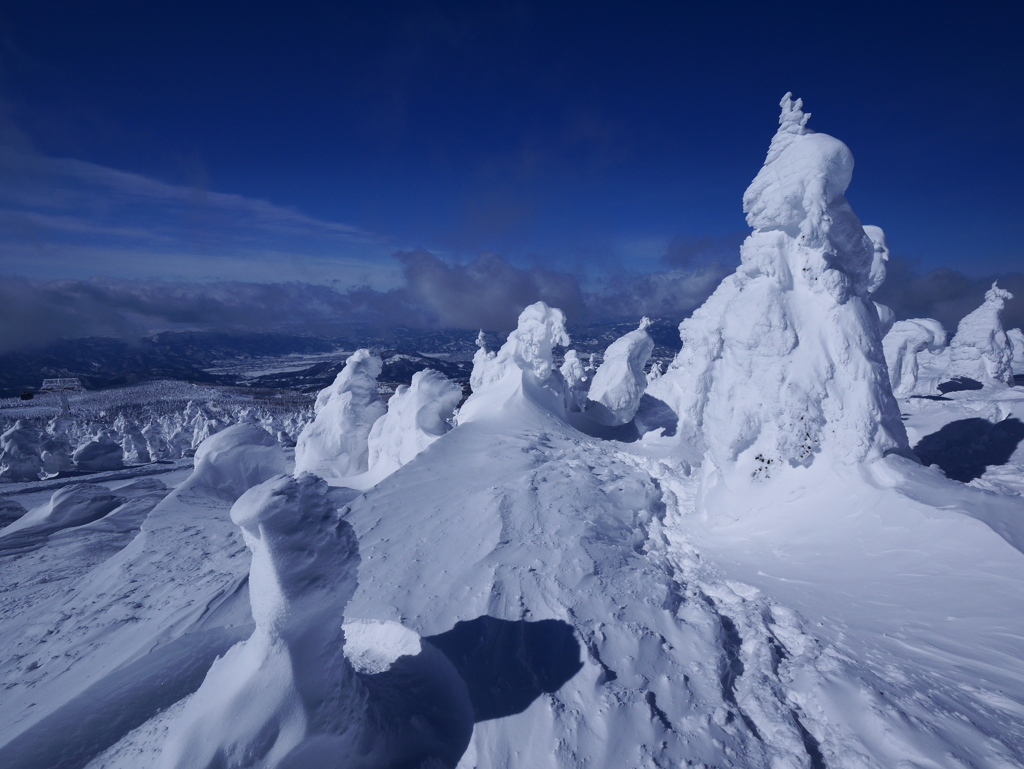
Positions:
{"x": 286, "y": 696}
{"x": 784, "y": 360}
{"x": 236, "y": 459}
{"x": 523, "y": 367}
{"x": 101, "y": 453}
{"x": 1016, "y": 337}
{"x": 904, "y": 342}
{"x": 334, "y": 444}
{"x": 417, "y": 416}
{"x": 577, "y": 381}
{"x": 620, "y": 380}
{"x": 980, "y": 349}
{"x": 19, "y": 453}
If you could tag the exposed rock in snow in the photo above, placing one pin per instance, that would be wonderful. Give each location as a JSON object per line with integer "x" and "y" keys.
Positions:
{"x": 417, "y": 416}
{"x": 784, "y": 360}
{"x": 334, "y": 444}
{"x": 101, "y": 453}
{"x": 524, "y": 366}
{"x": 238, "y": 458}
{"x": 903, "y": 343}
{"x": 980, "y": 349}
{"x": 287, "y": 696}
{"x": 1016, "y": 337}
{"x": 19, "y": 453}
{"x": 620, "y": 380}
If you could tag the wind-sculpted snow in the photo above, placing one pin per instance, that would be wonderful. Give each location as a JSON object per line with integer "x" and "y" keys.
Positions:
{"x": 980, "y": 349}
{"x": 286, "y": 696}
{"x": 20, "y": 458}
{"x": 238, "y": 458}
{"x": 577, "y": 381}
{"x": 784, "y": 361}
{"x": 620, "y": 381}
{"x": 334, "y": 444}
{"x": 523, "y": 367}
{"x": 417, "y": 416}
{"x": 903, "y": 344}
{"x": 101, "y": 452}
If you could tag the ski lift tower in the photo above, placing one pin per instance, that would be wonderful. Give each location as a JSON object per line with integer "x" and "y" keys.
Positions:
{"x": 61, "y": 387}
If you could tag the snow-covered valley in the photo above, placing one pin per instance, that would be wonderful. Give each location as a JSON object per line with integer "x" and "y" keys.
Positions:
{"x": 800, "y": 546}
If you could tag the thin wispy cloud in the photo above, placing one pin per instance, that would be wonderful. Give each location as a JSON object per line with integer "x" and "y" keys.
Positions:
{"x": 70, "y": 218}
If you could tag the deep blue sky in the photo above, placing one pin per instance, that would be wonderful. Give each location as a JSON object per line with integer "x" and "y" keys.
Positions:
{"x": 584, "y": 137}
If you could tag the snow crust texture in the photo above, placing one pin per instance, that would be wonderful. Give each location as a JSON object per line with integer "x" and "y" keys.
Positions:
{"x": 980, "y": 349}
{"x": 784, "y": 361}
{"x": 335, "y": 444}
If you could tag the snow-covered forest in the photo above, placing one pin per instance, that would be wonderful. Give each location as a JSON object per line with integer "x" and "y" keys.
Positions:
{"x": 799, "y": 545}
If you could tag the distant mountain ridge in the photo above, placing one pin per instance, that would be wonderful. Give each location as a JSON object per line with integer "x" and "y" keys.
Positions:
{"x": 200, "y": 356}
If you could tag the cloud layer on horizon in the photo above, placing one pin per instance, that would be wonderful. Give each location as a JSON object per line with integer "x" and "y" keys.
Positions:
{"x": 487, "y": 293}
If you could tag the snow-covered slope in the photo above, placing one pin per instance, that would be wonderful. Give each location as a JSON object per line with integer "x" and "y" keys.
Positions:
{"x": 764, "y": 578}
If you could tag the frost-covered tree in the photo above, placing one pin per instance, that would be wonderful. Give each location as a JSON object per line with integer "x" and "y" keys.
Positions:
{"x": 334, "y": 444}
{"x": 620, "y": 380}
{"x": 905, "y": 341}
{"x": 418, "y": 414}
{"x": 980, "y": 349}
{"x": 1016, "y": 337}
{"x": 19, "y": 453}
{"x": 523, "y": 367}
{"x": 784, "y": 361}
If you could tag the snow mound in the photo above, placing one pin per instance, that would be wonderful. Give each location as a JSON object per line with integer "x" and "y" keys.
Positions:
{"x": 238, "y": 458}
{"x": 101, "y": 453}
{"x": 784, "y": 360}
{"x": 73, "y": 505}
{"x": 523, "y": 367}
{"x": 286, "y": 696}
{"x": 19, "y": 453}
{"x": 903, "y": 343}
{"x": 417, "y": 416}
{"x": 620, "y": 380}
{"x": 980, "y": 349}
{"x": 334, "y": 445}
{"x": 1016, "y": 337}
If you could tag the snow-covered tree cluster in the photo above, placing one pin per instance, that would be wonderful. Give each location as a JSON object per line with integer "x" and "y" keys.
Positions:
{"x": 31, "y": 449}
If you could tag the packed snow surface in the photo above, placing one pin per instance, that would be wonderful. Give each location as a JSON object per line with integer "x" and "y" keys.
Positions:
{"x": 752, "y": 571}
